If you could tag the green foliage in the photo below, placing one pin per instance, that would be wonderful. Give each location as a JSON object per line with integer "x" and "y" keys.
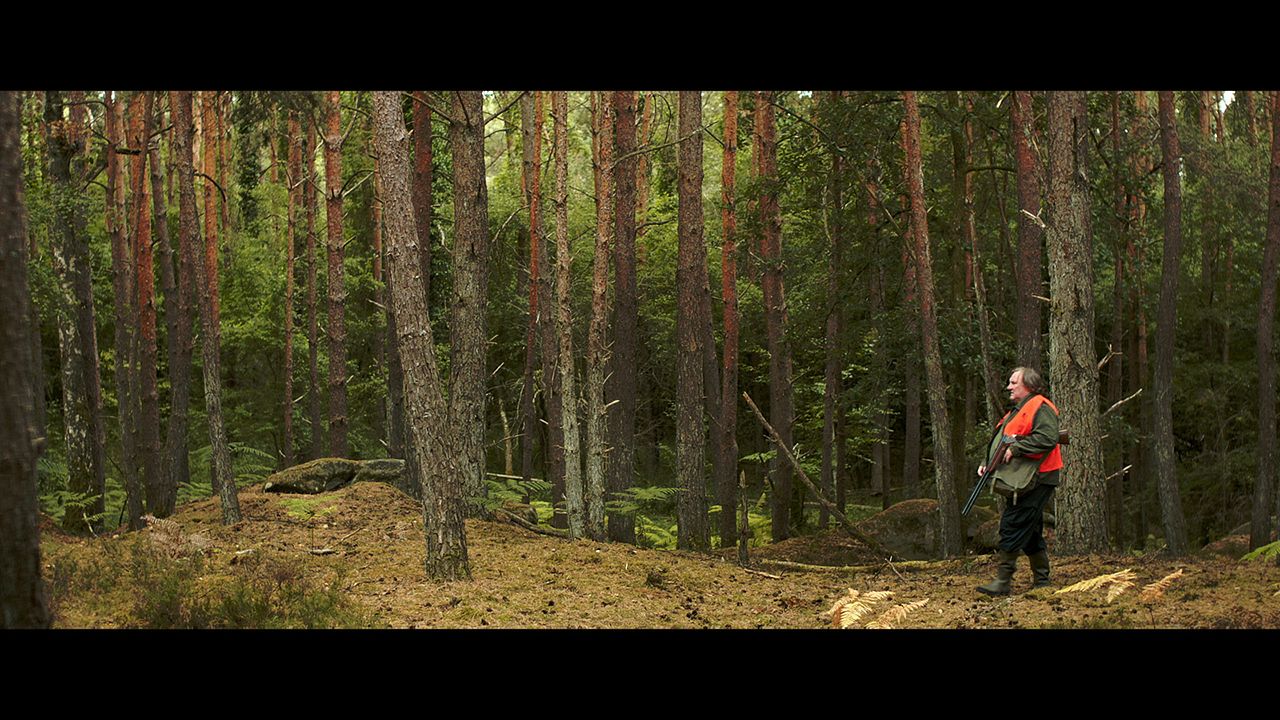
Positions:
{"x": 631, "y": 501}
{"x": 511, "y": 490}
{"x": 1265, "y": 552}
{"x": 306, "y": 508}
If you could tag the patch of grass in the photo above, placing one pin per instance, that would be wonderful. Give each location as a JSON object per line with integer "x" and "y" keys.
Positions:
{"x": 306, "y": 508}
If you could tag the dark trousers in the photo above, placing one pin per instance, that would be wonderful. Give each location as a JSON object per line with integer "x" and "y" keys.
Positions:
{"x": 1022, "y": 525}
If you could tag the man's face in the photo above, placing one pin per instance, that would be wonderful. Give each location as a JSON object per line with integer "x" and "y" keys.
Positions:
{"x": 1017, "y": 391}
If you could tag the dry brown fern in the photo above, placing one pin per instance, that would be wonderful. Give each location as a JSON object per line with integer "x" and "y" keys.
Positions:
{"x": 1155, "y": 591}
{"x": 854, "y": 606}
{"x": 1119, "y": 582}
{"x": 895, "y": 615}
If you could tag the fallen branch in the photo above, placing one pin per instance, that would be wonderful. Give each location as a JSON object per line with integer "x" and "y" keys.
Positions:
{"x": 831, "y": 508}
{"x": 757, "y": 572}
{"x": 906, "y": 565}
{"x": 530, "y": 526}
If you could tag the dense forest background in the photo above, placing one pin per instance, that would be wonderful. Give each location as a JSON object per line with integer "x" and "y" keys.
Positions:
{"x": 808, "y": 193}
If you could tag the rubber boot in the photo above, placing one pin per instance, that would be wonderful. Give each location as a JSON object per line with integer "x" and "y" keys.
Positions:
{"x": 1039, "y": 569}
{"x": 1004, "y": 575}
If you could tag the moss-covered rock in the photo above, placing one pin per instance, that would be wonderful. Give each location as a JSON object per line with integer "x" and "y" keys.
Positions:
{"x": 325, "y": 474}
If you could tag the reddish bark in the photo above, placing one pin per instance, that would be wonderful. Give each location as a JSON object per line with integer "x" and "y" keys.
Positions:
{"x": 140, "y": 110}
{"x": 621, "y": 385}
{"x": 951, "y": 532}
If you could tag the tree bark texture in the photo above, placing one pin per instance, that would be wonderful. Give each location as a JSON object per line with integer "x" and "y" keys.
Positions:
{"x": 781, "y": 404}
{"x": 597, "y": 342}
{"x": 124, "y": 279}
{"x": 296, "y": 183}
{"x": 531, "y": 150}
{"x": 1260, "y": 525}
{"x": 468, "y": 329}
{"x": 220, "y": 455}
{"x": 1081, "y": 499}
{"x": 1030, "y": 233}
{"x": 434, "y": 435}
{"x": 314, "y": 394}
{"x": 77, "y": 335}
{"x": 944, "y": 474}
{"x": 726, "y": 483}
{"x": 1166, "y": 320}
{"x": 834, "y": 320}
{"x": 148, "y": 420}
{"x": 549, "y": 353}
{"x": 691, "y": 502}
{"x": 174, "y": 462}
{"x": 620, "y": 386}
{"x": 422, "y": 197}
{"x": 22, "y": 598}
{"x": 337, "y": 323}
{"x": 574, "y": 502}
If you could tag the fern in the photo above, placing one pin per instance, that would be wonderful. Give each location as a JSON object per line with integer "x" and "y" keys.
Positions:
{"x": 895, "y": 615}
{"x": 850, "y": 608}
{"x": 1155, "y": 590}
{"x": 1116, "y": 582}
{"x": 1264, "y": 552}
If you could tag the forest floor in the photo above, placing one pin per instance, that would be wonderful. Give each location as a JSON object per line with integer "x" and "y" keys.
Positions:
{"x": 353, "y": 558}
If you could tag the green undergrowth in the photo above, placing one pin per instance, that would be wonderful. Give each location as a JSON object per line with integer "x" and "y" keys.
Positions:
{"x": 139, "y": 583}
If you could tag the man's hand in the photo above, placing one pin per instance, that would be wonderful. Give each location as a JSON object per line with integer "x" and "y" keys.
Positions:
{"x": 1008, "y": 455}
{"x": 982, "y": 470}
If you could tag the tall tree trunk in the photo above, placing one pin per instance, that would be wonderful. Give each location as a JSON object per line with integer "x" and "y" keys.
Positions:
{"x": 620, "y": 387}
{"x": 220, "y": 456}
{"x": 564, "y": 322}
{"x": 832, "y": 212}
{"x": 691, "y": 502}
{"x": 1260, "y": 526}
{"x": 209, "y": 146}
{"x": 22, "y": 598}
{"x": 642, "y": 161}
{"x": 124, "y": 280}
{"x": 1073, "y": 368}
{"x": 1115, "y": 369}
{"x": 181, "y": 363}
{"x": 148, "y": 421}
{"x": 398, "y": 436}
{"x": 597, "y": 347}
{"x": 910, "y": 291}
{"x": 781, "y": 410}
{"x": 296, "y": 184}
{"x": 174, "y": 461}
{"x": 880, "y": 450}
{"x": 314, "y": 405}
{"x": 1030, "y": 234}
{"x": 531, "y": 149}
{"x": 467, "y": 327}
{"x": 554, "y": 447}
{"x": 381, "y": 352}
{"x": 435, "y": 437}
{"x": 726, "y": 482}
{"x": 1166, "y": 317}
{"x": 337, "y": 323}
{"x": 422, "y": 197}
{"x": 77, "y": 336}
{"x": 951, "y": 533}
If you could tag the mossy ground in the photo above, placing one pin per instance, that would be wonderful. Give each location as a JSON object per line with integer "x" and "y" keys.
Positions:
{"x": 353, "y": 558}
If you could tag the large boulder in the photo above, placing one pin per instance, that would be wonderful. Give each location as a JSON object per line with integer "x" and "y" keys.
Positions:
{"x": 325, "y": 474}
{"x": 909, "y": 529}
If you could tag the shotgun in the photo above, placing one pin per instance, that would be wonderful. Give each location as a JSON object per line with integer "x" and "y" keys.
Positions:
{"x": 1064, "y": 438}
{"x": 983, "y": 481}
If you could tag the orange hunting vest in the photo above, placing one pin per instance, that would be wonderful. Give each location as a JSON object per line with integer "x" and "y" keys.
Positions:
{"x": 1021, "y": 425}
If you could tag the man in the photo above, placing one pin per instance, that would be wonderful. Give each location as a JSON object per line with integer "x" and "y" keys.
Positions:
{"x": 1034, "y": 422}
